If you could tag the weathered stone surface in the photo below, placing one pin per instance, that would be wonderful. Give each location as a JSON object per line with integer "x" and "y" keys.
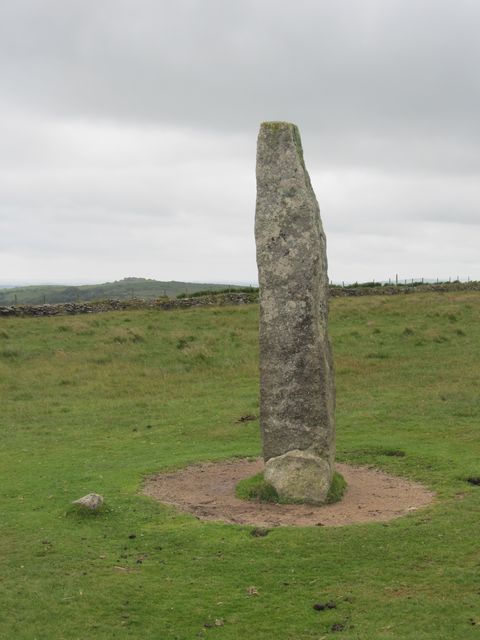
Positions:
{"x": 300, "y": 475}
{"x": 297, "y": 394}
{"x": 90, "y": 501}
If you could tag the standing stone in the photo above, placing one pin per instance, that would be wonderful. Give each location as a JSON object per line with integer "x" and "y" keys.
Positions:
{"x": 297, "y": 393}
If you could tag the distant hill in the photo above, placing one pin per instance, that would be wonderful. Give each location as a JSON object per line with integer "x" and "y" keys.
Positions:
{"x": 120, "y": 289}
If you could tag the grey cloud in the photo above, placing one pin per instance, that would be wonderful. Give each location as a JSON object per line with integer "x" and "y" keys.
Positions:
{"x": 128, "y": 128}
{"x": 390, "y": 85}
{"x": 353, "y": 65}
{"x": 372, "y": 201}
{"x": 150, "y": 197}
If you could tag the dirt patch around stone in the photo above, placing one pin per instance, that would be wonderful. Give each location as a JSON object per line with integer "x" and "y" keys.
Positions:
{"x": 208, "y": 492}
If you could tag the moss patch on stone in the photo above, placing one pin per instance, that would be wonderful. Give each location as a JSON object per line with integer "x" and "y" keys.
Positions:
{"x": 277, "y": 124}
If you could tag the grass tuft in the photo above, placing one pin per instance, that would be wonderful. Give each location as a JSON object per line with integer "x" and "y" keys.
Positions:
{"x": 256, "y": 488}
{"x": 184, "y": 341}
{"x": 475, "y": 480}
{"x": 82, "y": 512}
{"x": 9, "y": 352}
{"x": 380, "y": 451}
{"x": 337, "y": 488}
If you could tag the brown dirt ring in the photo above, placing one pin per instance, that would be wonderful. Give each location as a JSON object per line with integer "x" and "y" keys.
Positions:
{"x": 208, "y": 492}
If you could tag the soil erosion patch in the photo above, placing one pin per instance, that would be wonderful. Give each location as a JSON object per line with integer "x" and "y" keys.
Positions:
{"x": 208, "y": 491}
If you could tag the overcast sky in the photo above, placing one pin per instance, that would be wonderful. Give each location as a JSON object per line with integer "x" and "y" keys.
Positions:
{"x": 128, "y": 132}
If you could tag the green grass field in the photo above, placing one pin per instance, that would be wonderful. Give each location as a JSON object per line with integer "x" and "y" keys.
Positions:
{"x": 94, "y": 403}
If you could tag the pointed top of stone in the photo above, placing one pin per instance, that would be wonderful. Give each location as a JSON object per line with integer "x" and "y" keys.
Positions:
{"x": 281, "y": 129}
{"x": 280, "y": 152}
{"x": 277, "y": 124}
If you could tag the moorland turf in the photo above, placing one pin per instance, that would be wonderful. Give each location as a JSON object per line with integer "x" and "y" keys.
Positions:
{"x": 95, "y": 403}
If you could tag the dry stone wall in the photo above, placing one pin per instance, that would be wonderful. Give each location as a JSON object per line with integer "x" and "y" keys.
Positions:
{"x": 392, "y": 290}
{"x": 75, "y": 308}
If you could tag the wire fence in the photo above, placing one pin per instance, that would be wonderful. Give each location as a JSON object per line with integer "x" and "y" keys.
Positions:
{"x": 402, "y": 281}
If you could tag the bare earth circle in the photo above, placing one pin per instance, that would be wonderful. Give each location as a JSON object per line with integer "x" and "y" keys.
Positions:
{"x": 208, "y": 491}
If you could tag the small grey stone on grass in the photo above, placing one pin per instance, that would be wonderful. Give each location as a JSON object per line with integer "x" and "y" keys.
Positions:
{"x": 91, "y": 501}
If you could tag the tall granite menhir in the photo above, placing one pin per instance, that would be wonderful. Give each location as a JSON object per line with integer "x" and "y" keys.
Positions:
{"x": 297, "y": 393}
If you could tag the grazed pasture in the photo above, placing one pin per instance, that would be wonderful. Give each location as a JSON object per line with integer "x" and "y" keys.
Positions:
{"x": 95, "y": 403}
